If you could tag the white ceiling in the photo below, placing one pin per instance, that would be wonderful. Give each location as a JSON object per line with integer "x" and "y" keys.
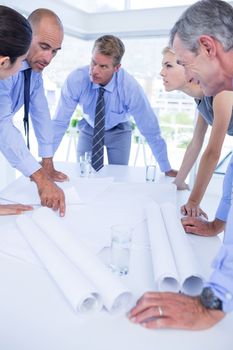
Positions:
{"x": 128, "y": 23}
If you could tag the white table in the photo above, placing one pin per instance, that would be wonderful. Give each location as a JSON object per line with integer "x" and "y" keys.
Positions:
{"x": 35, "y": 315}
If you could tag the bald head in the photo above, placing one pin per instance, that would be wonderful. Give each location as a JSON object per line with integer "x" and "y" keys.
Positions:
{"x": 47, "y": 38}
{"x": 41, "y": 15}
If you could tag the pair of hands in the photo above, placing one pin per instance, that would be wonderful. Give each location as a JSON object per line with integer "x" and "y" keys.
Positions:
{"x": 196, "y": 221}
{"x": 50, "y": 194}
{"x": 172, "y": 310}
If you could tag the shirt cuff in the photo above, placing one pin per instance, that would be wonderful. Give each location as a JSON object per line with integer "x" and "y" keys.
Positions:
{"x": 221, "y": 281}
{"x": 164, "y": 166}
{"x": 46, "y": 151}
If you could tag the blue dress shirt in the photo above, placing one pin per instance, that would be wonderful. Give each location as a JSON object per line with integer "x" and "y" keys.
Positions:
{"x": 225, "y": 203}
{"x": 12, "y": 143}
{"x": 221, "y": 281}
{"x": 123, "y": 97}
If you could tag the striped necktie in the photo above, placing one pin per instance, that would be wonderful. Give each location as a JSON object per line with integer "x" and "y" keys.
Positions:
{"x": 27, "y": 78}
{"x": 97, "y": 160}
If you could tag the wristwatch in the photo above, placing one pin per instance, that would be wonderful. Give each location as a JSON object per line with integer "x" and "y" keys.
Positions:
{"x": 210, "y": 300}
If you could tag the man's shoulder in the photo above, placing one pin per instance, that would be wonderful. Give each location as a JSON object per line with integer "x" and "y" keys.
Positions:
{"x": 10, "y": 82}
{"x": 79, "y": 74}
{"x": 125, "y": 77}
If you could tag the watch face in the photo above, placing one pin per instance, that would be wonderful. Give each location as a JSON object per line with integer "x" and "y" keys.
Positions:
{"x": 209, "y": 299}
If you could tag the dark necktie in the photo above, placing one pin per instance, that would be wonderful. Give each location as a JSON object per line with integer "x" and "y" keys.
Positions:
{"x": 27, "y": 78}
{"x": 97, "y": 160}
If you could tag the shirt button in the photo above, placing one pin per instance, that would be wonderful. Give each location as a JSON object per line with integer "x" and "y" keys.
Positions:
{"x": 228, "y": 296}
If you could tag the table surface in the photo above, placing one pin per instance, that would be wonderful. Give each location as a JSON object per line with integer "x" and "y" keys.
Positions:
{"x": 35, "y": 315}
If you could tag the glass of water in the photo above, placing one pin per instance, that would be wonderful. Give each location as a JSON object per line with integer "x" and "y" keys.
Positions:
{"x": 121, "y": 237}
{"x": 88, "y": 156}
{"x": 150, "y": 173}
{"x": 82, "y": 165}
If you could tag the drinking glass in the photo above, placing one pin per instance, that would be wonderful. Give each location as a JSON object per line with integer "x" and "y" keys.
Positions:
{"x": 121, "y": 237}
{"x": 150, "y": 173}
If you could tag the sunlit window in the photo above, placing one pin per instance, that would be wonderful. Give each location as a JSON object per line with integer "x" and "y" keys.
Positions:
{"x": 92, "y": 6}
{"x": 138, "y": 4}
{"x": 97, "y": 5}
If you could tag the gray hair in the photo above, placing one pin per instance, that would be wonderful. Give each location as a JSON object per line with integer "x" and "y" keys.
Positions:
{"x": 206, "y": 17}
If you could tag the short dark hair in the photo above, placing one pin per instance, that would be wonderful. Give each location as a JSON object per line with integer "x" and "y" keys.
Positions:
{"x": 15, "y": 33}
{"x": 110, "y": 45}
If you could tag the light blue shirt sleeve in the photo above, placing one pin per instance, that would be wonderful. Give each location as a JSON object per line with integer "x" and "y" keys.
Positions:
{"x": 123, "y": 97}
{"x": 221, "y": 280}
{"x": 41, "y": 119}
{"x": 225, "y": 202}
{"x": 147, "y": 122}
{"x": 69, "y": 99}
{"x": 12, "y": 143}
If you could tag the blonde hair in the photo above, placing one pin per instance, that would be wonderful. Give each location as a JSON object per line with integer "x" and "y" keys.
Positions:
{"x": 167, "y": 49}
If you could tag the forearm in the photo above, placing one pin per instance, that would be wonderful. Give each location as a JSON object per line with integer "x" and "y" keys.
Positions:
{"x": 205, "y": 171}
{"x": 189, "y": 159}
{"x": 217, "y": 226}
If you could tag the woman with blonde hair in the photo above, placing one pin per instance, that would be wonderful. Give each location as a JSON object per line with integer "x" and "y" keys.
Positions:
{"x": 215, "y": 111}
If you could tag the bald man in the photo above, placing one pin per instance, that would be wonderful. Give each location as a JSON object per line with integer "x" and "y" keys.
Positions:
{"x": 46, "y": 42}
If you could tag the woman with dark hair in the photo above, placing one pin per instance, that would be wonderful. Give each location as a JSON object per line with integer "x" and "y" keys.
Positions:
{"x": 15, "y": 39}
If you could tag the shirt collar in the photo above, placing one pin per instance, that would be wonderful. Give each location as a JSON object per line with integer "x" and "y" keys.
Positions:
{"x": 25, "y": 65}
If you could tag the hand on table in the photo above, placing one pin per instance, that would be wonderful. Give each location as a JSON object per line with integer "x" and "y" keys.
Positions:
{"x": 181, "y": 187}
{"x": 51, "y": 195}
{"x": 192, "y": 209}
{"x": 47, "y": 164}
{"x": 202, "y": 227}
{"x": 172, "y": 310}
{"x": 14, "y": 209}
{"x": 171, "y": 173}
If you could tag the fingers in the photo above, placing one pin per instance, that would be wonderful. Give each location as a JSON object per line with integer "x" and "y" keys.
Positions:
{"x": 171, "y": 173}
{"x": 53, "y": 197}
{"x": 59, "y": 176}
{"x": 193, "y": 211}
{"x": 62, "y": 207}
{"x": 203, "y": 214}
{"x": 148, "y": 315}
{"x": 14, "y": 209}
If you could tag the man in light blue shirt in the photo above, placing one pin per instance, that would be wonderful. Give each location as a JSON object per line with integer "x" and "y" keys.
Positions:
{"x": 203, "y": 43}
{"x": 47, "y": 38}
{"x": 123, "y": 97}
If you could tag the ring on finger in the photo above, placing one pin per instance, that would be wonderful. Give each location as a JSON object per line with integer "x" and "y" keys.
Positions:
{"x": 160, "y": 311}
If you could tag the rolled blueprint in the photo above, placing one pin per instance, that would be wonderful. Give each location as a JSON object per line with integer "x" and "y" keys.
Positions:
{"x": 79, "y": 292}
{"x": 116, "y": 297}
{"x": 174, "y": 263}
{"x": 191, "y": 279}
{"x": 164, "y": 266}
